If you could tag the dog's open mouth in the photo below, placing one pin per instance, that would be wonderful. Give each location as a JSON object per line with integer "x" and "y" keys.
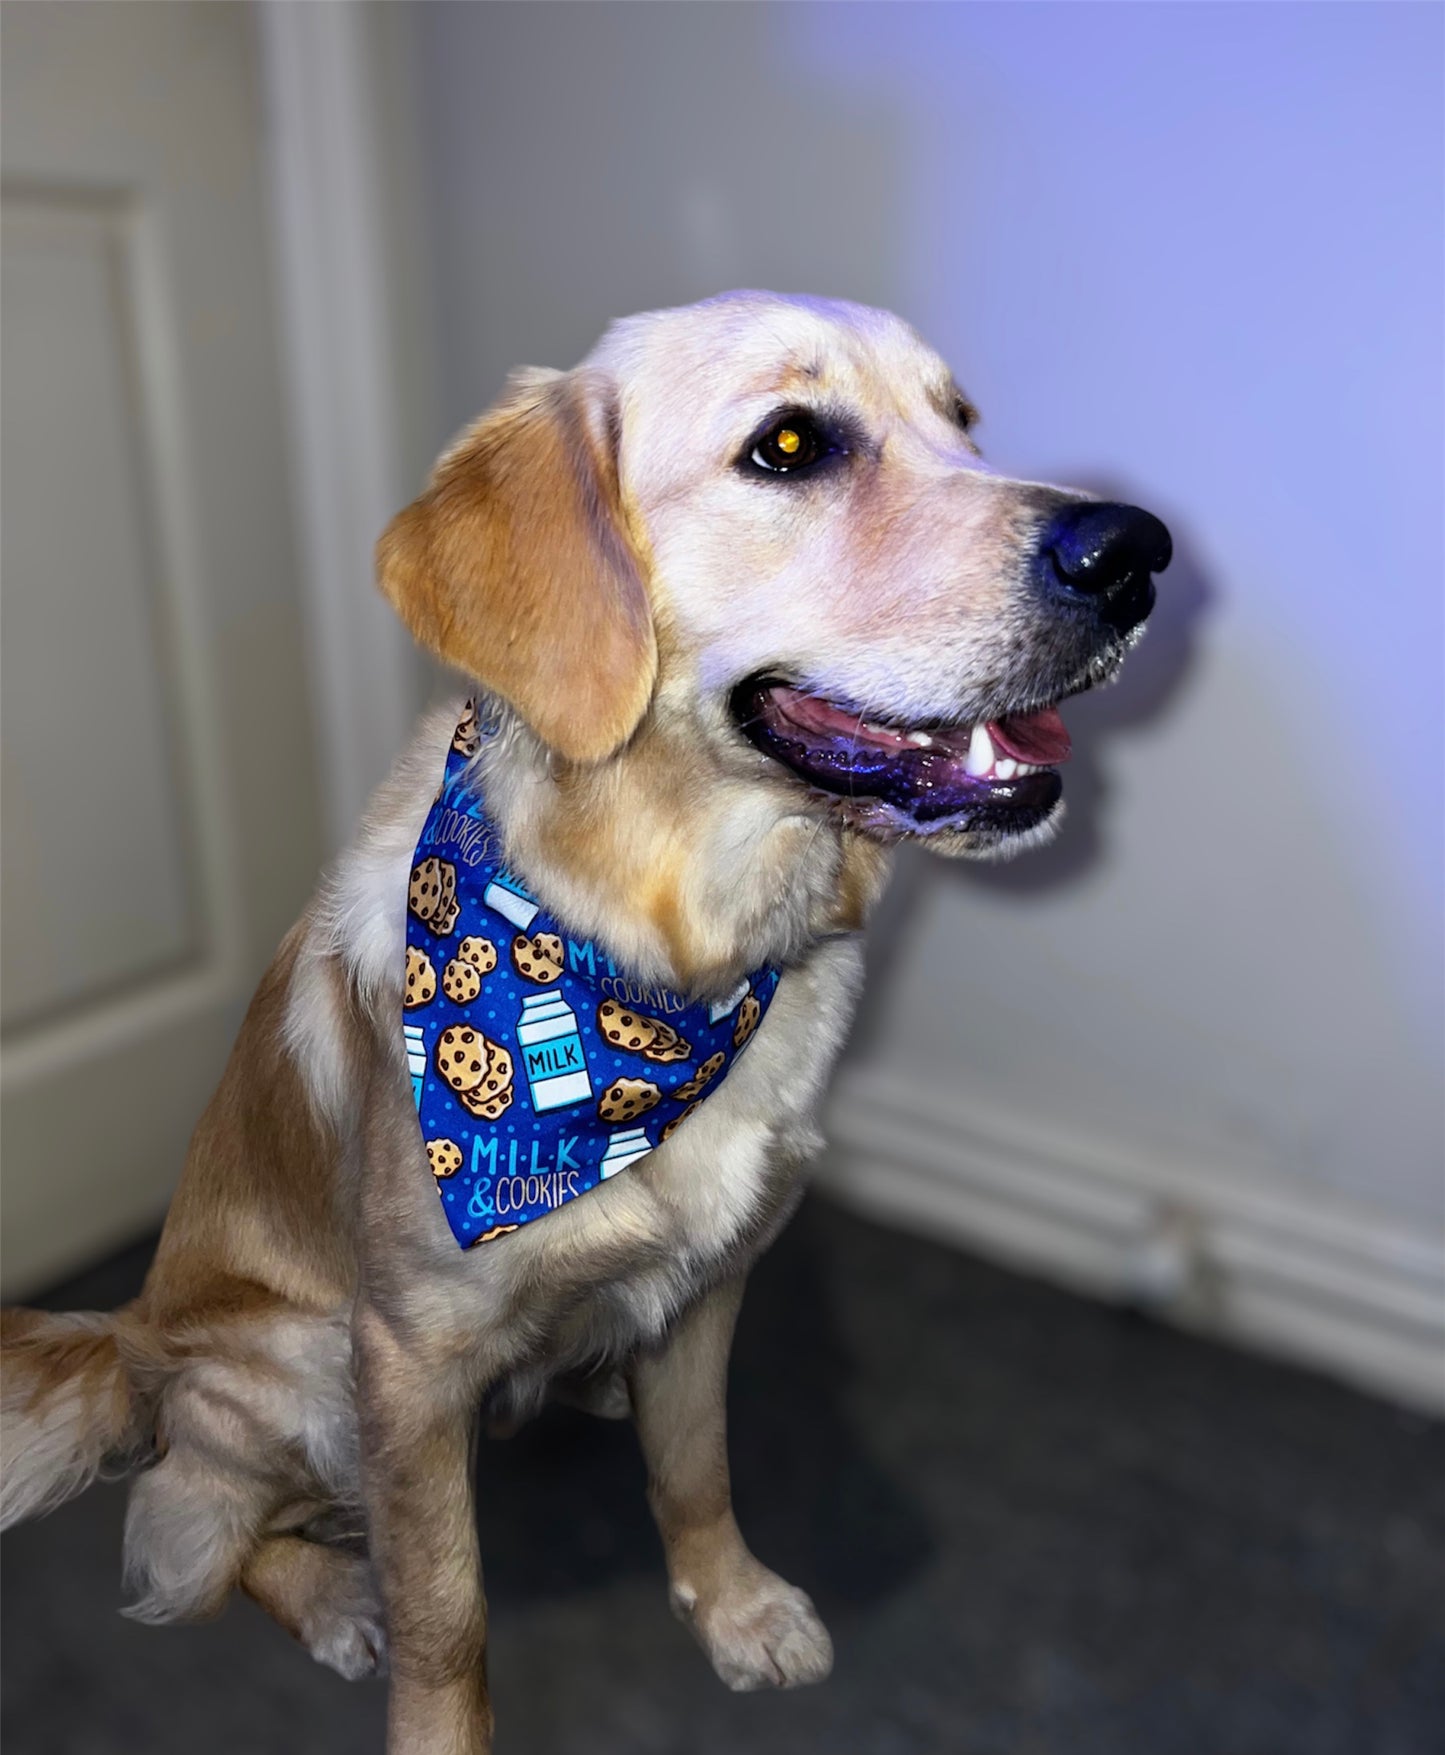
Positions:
{"x": 998, "y": 775}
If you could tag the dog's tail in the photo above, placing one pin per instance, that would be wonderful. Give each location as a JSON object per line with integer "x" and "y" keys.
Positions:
{"x": 67, "y": 1406}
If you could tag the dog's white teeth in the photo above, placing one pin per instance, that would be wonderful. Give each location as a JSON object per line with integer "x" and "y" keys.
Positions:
{"x": 921, "y": 738}
{"x": 980, "y": 752}
{"x": 1005, "y": 769}
{"x": 1022, "y": 768}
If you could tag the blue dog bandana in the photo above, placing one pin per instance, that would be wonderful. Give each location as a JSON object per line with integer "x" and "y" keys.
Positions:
{"x": 539, "y": 1068}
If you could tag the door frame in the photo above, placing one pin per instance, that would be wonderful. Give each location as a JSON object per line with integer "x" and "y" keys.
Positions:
{"x": 347, "y": 194}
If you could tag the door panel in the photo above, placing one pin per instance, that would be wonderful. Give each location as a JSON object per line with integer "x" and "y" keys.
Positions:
{"x": 98, "y": 872}
{"x": 159, "y": 772}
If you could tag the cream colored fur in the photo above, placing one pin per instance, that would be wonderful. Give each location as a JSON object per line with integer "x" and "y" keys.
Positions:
{"x": 311, "y": 1346}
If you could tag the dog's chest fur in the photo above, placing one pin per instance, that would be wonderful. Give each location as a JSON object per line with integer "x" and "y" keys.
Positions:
{"x": 605, "y": 1273}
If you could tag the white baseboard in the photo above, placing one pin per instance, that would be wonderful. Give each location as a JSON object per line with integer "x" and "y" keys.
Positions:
{"x": 1257, "y": 1258}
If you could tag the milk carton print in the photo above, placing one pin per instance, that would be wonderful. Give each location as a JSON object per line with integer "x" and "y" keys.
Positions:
{"x": 552, "y": 1054}
{"x": 625, "y": 1146}
{"x": 415, "y": 1058}
{"x": 718, "y": 1011}
{"x": 506, "y": 895}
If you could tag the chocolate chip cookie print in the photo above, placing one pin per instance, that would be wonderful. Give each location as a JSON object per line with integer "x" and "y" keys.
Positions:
{"x": 539, "y": 1068}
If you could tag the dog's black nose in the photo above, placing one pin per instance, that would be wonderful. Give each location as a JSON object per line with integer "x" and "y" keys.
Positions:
{"x": 1106, "y": 553}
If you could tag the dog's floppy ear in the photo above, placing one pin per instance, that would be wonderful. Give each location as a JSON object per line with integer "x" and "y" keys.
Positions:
{"x": 515, "y": 565}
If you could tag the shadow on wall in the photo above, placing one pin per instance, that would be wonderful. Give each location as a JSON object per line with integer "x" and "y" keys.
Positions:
{"x": 1147, "y": 685}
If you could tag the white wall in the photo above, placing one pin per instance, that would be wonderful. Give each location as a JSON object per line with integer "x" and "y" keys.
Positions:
{"x": 1191, "y": 255}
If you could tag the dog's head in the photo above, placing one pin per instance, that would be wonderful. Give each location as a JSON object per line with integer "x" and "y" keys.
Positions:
{"x": 764, "y": 521}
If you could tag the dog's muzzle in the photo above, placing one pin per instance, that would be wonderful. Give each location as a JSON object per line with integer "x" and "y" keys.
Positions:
{"x": 989, "y": 775}
{"x": 1105, "y": 556}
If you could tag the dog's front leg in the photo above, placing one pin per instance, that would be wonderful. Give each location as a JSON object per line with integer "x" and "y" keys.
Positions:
{"x": 418, "y": 1423}
{"x": 758, "y": 1631}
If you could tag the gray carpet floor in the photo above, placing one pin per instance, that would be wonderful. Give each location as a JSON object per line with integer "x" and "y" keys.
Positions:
{"x": 1034, "y": 1525}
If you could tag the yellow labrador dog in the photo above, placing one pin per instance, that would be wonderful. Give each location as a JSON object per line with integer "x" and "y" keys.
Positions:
{"x": 744, "y": 607}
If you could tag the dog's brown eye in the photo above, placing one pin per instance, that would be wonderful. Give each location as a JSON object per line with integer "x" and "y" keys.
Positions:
{"x": 792, "y": 443}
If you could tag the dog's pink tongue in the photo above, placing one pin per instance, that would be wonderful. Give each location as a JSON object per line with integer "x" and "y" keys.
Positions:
{"x": 1041, "y": 739}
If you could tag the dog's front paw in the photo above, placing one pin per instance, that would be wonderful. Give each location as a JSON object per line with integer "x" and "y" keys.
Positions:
{"x": 757, "y": 1630}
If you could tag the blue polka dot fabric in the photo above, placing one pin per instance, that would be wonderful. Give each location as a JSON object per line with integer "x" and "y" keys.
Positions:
{"x": 538, "y": 1067}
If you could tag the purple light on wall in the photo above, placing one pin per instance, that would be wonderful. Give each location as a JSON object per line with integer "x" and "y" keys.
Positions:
{"x": 1199, "y": 249}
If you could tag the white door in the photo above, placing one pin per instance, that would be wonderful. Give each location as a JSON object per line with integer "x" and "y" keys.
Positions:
{"x": 159, "y": 774}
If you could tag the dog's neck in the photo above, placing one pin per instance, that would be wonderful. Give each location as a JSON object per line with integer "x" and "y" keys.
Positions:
{"x": 689, "y": 874}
